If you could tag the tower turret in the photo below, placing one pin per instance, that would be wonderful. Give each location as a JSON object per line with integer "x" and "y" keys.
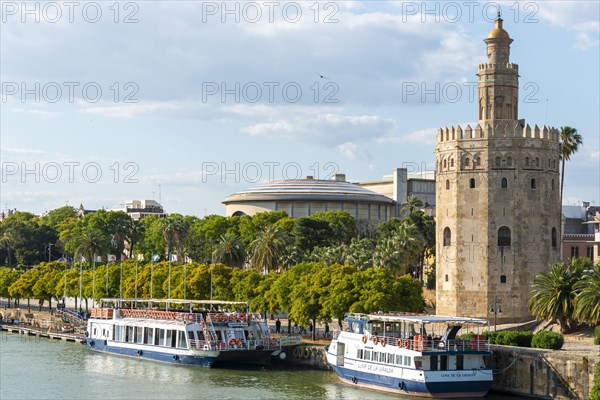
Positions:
{"x": 498, "y": 79}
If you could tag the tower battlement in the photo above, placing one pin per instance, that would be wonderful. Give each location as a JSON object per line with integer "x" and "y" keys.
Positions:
{"x": 501, "y": 130}
{"x": 496, "y": 66}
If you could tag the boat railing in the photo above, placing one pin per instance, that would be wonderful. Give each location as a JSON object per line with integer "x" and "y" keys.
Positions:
{"x": 241, "y": 318}
{"x": 160, "y": 314}
{"x": 425, "y": 344}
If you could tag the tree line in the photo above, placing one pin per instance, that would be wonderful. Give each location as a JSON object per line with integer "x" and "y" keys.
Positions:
{"x": 266, "y": 241}
{"x": 308, "y": 292}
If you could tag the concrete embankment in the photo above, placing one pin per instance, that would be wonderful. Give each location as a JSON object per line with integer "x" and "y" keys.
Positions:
{"x": 308, "y": 355}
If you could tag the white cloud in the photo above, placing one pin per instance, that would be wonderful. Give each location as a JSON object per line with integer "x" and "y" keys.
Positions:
{"x": 21, "y": 151}
{"x": 422, "y": 136}
{"x": 41, "y": 113}
{"x": 348, "y": 150}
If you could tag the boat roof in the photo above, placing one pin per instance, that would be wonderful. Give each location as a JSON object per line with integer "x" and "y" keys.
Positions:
{"x": 417, "y": 318}
{"x": 174, "y": 301}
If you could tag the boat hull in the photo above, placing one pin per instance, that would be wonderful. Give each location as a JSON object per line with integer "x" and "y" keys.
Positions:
{"x": 439, "y": 389}
{"x": 181, "y": 358}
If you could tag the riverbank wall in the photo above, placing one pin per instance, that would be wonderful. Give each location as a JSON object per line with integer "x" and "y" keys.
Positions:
{"x": 547, "y": 374}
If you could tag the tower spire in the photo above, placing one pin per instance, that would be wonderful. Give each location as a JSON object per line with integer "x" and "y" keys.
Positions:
{"x": 498, "y": 78}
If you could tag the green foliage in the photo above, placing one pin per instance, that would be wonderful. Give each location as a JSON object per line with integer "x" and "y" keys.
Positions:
{"x": 587, "y": 298}
{"x": 595, "y": 395}
{"x": 548, "y": 340}
{"x": 431, "y": 278}
{"x": 553, "y": 294}
{"x": 597, "y": 335}
{"x": 512, "y": 338}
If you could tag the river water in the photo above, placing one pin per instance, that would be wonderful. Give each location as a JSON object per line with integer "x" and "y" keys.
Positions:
{"x": 39, "y": 368}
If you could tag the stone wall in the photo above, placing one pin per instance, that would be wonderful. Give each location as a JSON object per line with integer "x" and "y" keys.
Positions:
{"x": 542, "y": 373}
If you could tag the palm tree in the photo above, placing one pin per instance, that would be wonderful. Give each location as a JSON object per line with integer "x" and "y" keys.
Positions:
{"x": 553, "y": 294}
{"x": 174, "y": 232}
{"x": 90, "y": 243}
{"x": 411, "y": 204}
{"x": 409, "y": 238}
{"x": 136, "y": 232}
{"x": 570, "y": 141}
{"x": 230, "y": 250}
{"x": 587, "y": 299}
{"x": 7, "y": 241}
{"x": 268, "y": 248}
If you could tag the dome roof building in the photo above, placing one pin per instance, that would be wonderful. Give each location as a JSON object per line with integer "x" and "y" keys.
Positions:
{"x": 305, "y": 197}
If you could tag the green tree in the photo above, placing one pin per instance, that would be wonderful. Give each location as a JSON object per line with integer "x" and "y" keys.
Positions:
{"x": 267, "y": 249}
{"x": 570, "y": 140}
{"x": 8, "y": 276}
{"x": 342, "y": 225}
{"x": 230, "y": 250}
{"x": 587, "y": 298}
{"x": 411, "y": 204}
{"x": 553, "y": 294}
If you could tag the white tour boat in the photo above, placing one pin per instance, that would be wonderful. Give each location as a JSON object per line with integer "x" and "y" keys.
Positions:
{"x": 187, "y": 332}
{"x": 410, "y": 354}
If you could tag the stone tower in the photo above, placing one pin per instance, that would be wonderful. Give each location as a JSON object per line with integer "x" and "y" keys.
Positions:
{"x": 497, "y": 195}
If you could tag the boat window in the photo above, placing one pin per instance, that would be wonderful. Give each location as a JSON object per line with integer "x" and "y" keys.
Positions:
{"x": 367, "y": 355}
{"x": 460, "y": 362}
{"x": 130, "y": 334}
{"x": 200, "y": 335}
{"x": 398, "y": 359}
{"x": 94, "y": 332}
{"x": 374, "y": 356}
{"x": 161, "y": 337}
{"x": 407, "y": 360}
{"x": 359, "y": 354}
{"x": 150, "y": 338}
{"x": 191, "y": 335}
{"x": 418, "y": 363}
{"x": 182, "y": 342}
{"x": 382, "y": 357}
{"x": 139, "y": 334}
{"x": 433, "y": 363}
{"x": 390, "y": 358}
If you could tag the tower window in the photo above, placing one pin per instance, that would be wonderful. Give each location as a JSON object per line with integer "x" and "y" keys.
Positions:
{"x": 502, "y": 278}
{"x": 504, "y": 236}
{"x": 447, "y": 184}
{"x": 574, "y": 252}
{"x": 478, "y": 161}
{"x": 446, "y": 278}
{"x": 504, "y": 183}
{"x": 554, "y": 244}
{"x": 447, "y": 236}
{"x": 509, "y": 161}
{"x": 445, "y": 164}
{"x": 497, "y": 161}
{"x": 533, "y": 183}
{"x": 467, "y": 162}
{"x": 527, "y": 161}
{"x": 552, "y": 184}
{"x": 537, "y": 162}
{"x": 452, "y": 162}
{"x": 472, "y": 183}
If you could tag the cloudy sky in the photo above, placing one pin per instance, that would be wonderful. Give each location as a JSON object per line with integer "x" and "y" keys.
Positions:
{"x": 192, "y": 101}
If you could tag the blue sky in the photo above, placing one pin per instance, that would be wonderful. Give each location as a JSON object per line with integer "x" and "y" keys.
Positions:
{"x": 104, "y": 102}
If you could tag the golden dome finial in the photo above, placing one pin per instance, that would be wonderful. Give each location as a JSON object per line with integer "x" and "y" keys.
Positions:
{"x": 498, "y": 31}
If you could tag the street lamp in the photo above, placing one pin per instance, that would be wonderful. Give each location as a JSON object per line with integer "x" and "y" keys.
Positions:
{"x": 50, "y": 250}
{"x": 495, "y": 309}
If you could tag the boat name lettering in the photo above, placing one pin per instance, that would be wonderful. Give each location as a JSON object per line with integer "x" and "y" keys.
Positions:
{"x": 458, "y": 374}
{"x": 375, "y": 368}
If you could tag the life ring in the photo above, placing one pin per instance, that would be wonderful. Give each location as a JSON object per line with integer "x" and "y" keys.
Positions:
{"x": 306, "y": 353}
{"x": 175, "y": 357}
{"x": 399, "y": 343}
{"x": 441, "y": 345}
{"x": 375, "y": 340}
{"x": 297, "y": 352}
{"x": 383, "y": 342}
{"x": 92, "y": 343}
{"x": 231, "y": 342}
{"x": 402, "y": 386}
{"x": 364, "y": 339}
{"x": 354, "y": 380}
{"x": 406, "y": 343}
{"x": 239, "y": 342}
{"x": 140, "y": 353}
{"x": 190, "y": 317}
